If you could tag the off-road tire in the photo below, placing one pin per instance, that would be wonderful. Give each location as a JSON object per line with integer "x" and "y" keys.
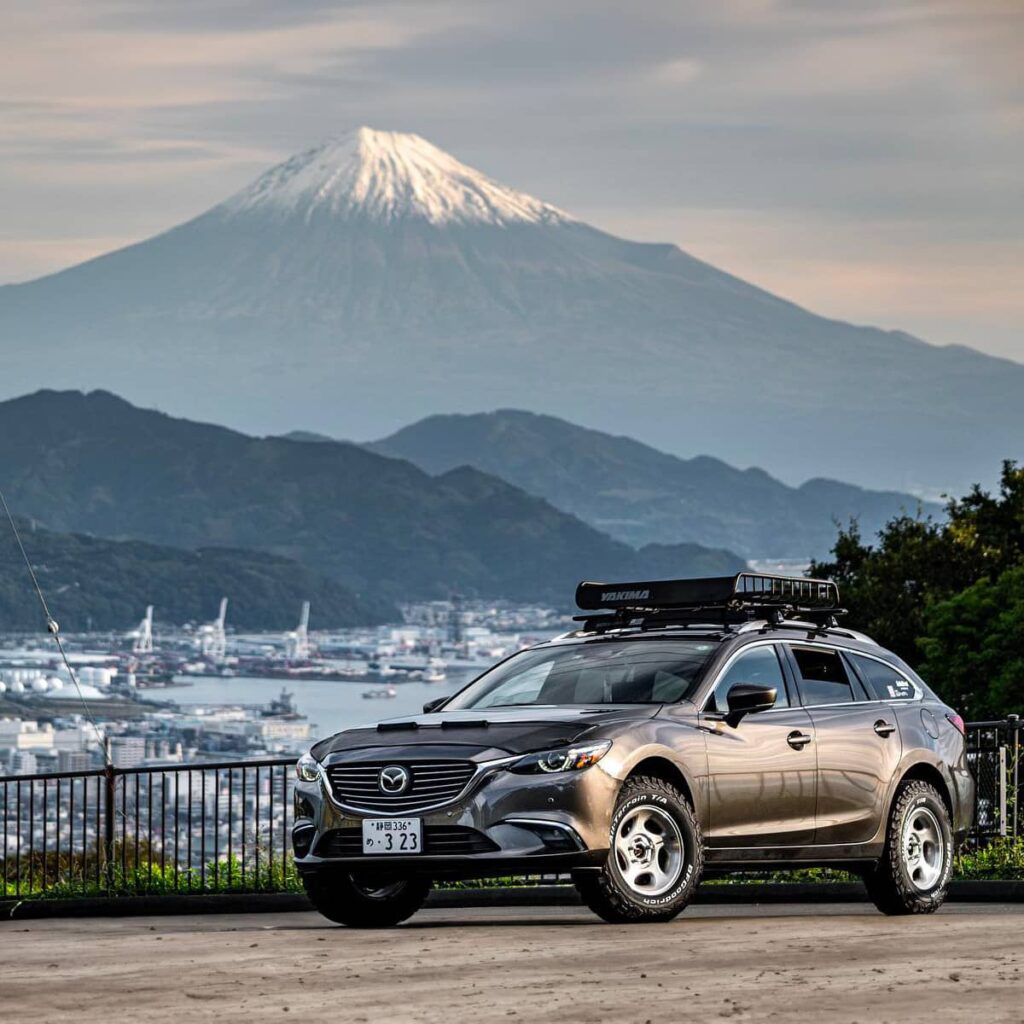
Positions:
{"x": 889, "y": 883}
{"x": 343, "y": 900}
{"x": 608, "y": 895}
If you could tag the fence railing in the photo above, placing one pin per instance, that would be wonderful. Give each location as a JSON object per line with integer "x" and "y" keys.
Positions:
{"x": 993, "y": 752}
{"x": 225, "y": 827}
{"x": 215, "y": 827}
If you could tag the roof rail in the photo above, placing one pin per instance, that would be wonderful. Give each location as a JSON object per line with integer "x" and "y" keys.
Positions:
{"x": 720, "y": 599}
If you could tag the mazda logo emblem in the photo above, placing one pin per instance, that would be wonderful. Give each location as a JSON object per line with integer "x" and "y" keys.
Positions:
{"x": 394, "y": 779}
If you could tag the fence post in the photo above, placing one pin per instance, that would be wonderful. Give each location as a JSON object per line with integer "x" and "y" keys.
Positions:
{"x": 1014, "y": 721}
{"x": 1003, "y": 775}
{"x": 108, "y": 822}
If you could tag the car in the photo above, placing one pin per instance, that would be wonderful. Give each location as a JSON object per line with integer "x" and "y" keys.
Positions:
{"x": 687, "y": 727}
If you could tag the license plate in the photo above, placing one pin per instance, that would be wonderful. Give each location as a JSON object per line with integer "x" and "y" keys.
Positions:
{"x": 392, "y": 835}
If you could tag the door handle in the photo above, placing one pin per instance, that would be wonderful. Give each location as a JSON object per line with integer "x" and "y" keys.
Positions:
{"x": 798, "y": 740}
{"x": 884, "y": 728}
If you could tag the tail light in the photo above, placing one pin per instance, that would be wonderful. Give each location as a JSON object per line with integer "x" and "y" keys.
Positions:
{"x": 957, "y": 722}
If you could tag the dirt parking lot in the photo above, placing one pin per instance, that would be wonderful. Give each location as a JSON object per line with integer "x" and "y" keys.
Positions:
{"x": 828, "y": 963}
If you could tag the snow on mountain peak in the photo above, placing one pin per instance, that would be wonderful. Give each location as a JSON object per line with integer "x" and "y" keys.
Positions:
{"x": 388, "y": 176}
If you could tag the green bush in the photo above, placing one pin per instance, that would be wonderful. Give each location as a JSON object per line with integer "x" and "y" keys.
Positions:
{"x": 76, "y": 877}
{"x": 1002, "y": 859}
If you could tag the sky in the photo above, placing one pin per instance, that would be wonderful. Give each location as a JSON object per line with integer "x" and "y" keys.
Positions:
{"x": 861, "y": 158}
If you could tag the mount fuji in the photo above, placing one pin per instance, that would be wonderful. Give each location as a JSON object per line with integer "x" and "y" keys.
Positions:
{"x": 376, "y": 279}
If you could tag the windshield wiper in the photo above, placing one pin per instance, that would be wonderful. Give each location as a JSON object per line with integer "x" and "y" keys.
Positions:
{"x": 516, "y": 704}
{"x": 528, "y": 704}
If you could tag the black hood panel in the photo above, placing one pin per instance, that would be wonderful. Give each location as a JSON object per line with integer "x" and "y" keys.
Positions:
{"x": 479, "y": 734}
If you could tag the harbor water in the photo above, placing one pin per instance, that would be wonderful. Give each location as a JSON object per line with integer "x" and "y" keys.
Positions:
{"x": 329, "y": 705}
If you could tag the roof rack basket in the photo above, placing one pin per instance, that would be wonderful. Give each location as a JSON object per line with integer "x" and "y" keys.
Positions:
{"x": 725, "y": 599}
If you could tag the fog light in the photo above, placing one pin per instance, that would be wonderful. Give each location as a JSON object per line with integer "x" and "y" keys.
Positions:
{"x": 302, "y": 839}
{"x": 556, "y": 838}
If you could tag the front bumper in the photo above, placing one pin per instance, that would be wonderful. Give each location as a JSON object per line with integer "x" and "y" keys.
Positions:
{"x": 504, "y": 823}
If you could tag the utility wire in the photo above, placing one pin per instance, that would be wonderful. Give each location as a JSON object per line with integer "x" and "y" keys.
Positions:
{"x": 54, "y": 630}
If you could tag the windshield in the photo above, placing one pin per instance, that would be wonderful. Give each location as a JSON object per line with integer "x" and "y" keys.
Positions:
{"x": 599, "y": 672}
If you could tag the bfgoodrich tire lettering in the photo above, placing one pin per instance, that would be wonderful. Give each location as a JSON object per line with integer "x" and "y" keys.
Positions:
{"x": 365, "y": 903}
{"x": 913, "y": 875}
{"x": 666, "y": 837}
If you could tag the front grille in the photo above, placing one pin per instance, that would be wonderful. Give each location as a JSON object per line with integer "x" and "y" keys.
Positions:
{"x": 433, "y": 782}
{"x": 444, "y": 840}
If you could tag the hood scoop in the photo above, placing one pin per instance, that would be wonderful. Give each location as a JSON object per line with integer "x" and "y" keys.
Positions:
{"x": 458, "y": 723}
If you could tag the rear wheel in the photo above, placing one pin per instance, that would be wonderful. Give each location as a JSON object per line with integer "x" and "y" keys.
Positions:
{"x": 366, "y": 901}
{"x": 655, "y": 858}
{"x": 913, "y": 875}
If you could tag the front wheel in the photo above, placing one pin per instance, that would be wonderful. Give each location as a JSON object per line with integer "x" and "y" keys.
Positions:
{"x": 362, "y": 901}
{"x": 655, "y": 859}
{"x": 913, "y": 875}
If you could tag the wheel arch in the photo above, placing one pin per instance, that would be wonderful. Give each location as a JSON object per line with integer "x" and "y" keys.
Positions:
{"x": 924, "y": 771}
{"x": 661, "y": 767}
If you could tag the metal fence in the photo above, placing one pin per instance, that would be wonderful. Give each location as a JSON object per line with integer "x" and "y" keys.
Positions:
{"x": 993, "y": 752}
{"x": 190, "y": 828}
{"x": 226, "y": 827}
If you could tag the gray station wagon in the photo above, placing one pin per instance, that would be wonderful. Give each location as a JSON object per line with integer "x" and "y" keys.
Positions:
{"x": 687, "y": 727}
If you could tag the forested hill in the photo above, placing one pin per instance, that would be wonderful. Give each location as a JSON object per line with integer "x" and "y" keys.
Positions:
{"x": 99, "y": 584}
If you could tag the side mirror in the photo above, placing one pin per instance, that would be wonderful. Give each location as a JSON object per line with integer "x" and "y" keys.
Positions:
{"x": 433, "y": 705}
{"x": 746, "y": 698}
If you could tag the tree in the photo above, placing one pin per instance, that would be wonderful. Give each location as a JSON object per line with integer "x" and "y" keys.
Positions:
{"x": 887, "y": 587}
{"x": 990, "y": 529}
{"x": 948, "y": 597}
{"x": 973, "y": 647}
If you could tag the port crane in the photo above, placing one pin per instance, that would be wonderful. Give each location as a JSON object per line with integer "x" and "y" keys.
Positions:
{"x": 296, "y": 643}
{"x": 143, "y": 636}
{"x": 211, "y": 638}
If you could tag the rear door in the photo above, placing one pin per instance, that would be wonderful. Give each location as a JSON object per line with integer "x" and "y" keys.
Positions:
{"x": 858, "y": 745}
{"x": 762, "y": 772}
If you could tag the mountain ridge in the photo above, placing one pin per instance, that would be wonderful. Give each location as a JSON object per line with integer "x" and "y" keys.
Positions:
{"x": 94, "y": 463}
{"x": 644, "y": 496}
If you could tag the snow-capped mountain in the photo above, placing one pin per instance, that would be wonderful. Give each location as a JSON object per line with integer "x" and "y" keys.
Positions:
{"x": 386, "y": 176}
{"x": 375, "y": 279}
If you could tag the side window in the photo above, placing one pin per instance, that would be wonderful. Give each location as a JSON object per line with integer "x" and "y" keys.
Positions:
{"x": 823, "y": 676}
{"x": 883, "y": 681}
{"x": 758, "y": 665}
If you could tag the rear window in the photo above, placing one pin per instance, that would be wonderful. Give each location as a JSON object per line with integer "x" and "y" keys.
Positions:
{"x": 598, "y": 672}
{"x": 883, "y": 682}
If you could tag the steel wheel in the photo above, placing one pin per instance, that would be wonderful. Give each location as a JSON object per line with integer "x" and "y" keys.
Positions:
{"x": 649, "y": 851}
{"x": 923, "y": 848}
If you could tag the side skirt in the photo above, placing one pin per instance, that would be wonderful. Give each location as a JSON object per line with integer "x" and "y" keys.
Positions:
{"x": 761, "y": 858}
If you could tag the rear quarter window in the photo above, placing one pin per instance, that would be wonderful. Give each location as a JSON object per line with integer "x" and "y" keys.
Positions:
{"x": 883, "y": 682}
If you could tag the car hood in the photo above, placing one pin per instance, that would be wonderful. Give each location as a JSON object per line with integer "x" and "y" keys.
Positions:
{"x": 478, "y": 735}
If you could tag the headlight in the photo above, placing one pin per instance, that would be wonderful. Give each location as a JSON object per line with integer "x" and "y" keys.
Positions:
{"x": 565, "y": 759}
{"x": 308, "y": 768}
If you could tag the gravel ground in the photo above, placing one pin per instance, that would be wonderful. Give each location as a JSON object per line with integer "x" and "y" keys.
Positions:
{"x": 834, "y": 963}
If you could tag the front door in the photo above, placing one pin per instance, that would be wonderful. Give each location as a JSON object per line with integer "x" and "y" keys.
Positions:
{"x": 762, "y": 773}
{"x": 859, "y": 746}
